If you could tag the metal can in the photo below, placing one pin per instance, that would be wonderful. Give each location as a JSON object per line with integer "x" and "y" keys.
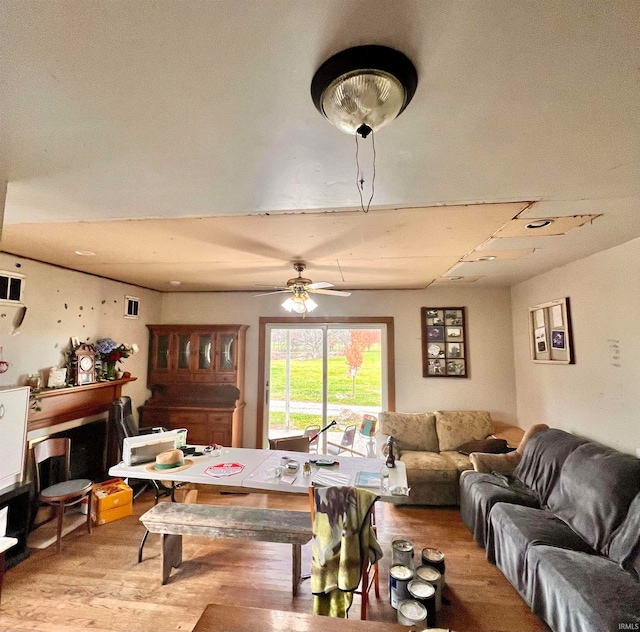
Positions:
{"x": 399, "y": 578}
{"x": 435, "y": 558}
{"x": 425, "y": 593}
{"x": 411, "y": 612}
{"x": 402, "y": 553}
{"x": 433, "y": 576}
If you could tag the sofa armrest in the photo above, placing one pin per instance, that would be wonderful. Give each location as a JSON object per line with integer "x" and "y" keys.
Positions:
{"x": 501, "y": 463}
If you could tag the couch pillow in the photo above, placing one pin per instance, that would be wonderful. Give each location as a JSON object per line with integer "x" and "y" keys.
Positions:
{"x": 542, "y": 460}
{"x": 596, "y": 488}
{"x": 456, "y": 427}
{"x": 490, "y": 446}
{"x": 411, "y": 431}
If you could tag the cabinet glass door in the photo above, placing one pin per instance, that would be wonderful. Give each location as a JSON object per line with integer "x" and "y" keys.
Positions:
{"x": 204, "y": 352}
{"x": 162, "y": 352}
{"x": 226, "y": 352}
{"x": 184, "y": 351}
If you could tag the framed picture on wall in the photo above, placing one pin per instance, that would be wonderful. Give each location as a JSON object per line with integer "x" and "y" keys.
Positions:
{"x": 444, "y": 342}
{"x": 550, "y": 332}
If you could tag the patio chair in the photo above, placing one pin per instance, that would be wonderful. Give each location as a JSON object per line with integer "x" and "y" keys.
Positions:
{"x": 346, "y": 443}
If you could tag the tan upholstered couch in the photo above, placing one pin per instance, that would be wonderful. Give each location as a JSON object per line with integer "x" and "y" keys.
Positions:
{"x": 427, "y": 444}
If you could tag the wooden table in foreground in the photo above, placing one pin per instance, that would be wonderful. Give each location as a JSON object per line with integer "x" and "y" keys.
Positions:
{"x": 219, "y": 618}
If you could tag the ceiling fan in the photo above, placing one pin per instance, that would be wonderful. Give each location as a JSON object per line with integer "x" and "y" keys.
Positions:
{"x": 301, "y": 287}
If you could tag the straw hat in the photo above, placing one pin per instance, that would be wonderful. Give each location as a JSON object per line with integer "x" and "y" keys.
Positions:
{"x": 170, "y": 461}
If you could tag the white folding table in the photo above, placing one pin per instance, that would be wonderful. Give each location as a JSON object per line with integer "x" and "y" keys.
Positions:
{"x": 247, "y": 469}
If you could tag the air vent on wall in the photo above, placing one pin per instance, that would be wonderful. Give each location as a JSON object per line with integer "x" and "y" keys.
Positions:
{"x": 11, "y": 286}
{"x": 131, "y": 306}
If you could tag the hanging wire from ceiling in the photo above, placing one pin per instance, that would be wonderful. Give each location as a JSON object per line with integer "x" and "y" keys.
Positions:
{"x": 360, "y": 174}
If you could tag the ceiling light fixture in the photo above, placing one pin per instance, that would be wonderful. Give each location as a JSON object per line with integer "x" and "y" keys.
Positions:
{"x": 360, "y": 90}
{"x": 456, "y": 278}
{"x": 487, "y": 258}
{"x": 539, "y": 223}
{"x": 300, "y": 303}
{"x": 85, "y": 253}
{"x": 175, "y": 282}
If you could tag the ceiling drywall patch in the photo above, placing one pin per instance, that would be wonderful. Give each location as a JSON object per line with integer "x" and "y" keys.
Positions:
{"x": 559, "y": 226}
{"x": 456, "y": 280}
{"x": 496, "y": 255}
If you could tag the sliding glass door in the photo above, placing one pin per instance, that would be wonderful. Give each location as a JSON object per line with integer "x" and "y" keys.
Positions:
{"x": 319, "y": 373}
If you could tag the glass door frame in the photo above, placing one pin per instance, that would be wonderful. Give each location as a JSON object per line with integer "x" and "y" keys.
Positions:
{"x": 266, "y": 323}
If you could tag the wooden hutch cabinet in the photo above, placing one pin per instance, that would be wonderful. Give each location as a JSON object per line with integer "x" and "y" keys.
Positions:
{"x": 196, "y": 376}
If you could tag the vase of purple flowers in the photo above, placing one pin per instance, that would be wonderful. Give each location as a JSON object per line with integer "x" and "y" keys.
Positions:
{"x": 110, "y": 354}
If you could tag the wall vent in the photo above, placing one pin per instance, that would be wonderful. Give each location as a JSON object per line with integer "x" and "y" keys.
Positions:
{"x": 11, "y": 287}
{"x": 131, "y": 306}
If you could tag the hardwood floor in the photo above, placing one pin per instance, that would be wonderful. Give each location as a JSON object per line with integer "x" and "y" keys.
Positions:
{"x": 96, "y": 583}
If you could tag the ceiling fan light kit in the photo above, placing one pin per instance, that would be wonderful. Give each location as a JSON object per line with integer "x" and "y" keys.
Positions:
{"x": 300, "y": 287}
{"x": 300, "y": 303}
{"x": 361, "y": 89}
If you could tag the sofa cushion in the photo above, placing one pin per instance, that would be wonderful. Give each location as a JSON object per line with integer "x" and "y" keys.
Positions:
{"x": 461, "y": 461}
{"x": 456, "y": 427}
{"x": 572, "y": 590}
{"x": 542, "y": 460}
{"x": 595, "y": 490}
{"x": 489, "y": 446}
{"x": 411, "y": 431}
{"x": 428, "y": 466}
{"x": 625, "y": 543}
{"x": 480, "y": 492}
{"x": 513, "y": 529}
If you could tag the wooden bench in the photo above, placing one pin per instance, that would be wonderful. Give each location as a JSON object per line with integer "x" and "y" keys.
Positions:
{"x": 173, "y": 520}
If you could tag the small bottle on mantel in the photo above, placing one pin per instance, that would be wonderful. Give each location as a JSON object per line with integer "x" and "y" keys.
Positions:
{"x": 391, "y": 459}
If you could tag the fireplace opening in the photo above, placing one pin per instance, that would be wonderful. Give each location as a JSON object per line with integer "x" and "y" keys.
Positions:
{"x": 88, "y": 453}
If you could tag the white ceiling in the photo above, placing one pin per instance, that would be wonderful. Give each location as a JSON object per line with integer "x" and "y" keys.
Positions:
{"x": 177, "y": 140}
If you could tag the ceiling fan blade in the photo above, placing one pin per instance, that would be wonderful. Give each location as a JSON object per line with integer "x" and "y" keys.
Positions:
{"x": 319, "y": 285}
{"x": 273, "y": 287}
{"x": 274, "y": 292}
{"x": 331, "y": 292}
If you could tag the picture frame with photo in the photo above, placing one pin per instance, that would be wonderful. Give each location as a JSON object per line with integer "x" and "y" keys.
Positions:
{"x": 444, "y": 338}
{"x": 550, "y": 332}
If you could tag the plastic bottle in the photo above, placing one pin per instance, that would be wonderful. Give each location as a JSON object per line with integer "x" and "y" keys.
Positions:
{"x": 384, "y": 479}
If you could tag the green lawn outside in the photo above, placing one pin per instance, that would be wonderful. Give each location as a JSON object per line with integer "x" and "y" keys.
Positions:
{"x": 306, "y": 381}
{"x": 299, "y": 421}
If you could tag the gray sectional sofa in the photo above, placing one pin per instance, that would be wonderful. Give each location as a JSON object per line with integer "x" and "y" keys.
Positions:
{"x": 564, "y": 528}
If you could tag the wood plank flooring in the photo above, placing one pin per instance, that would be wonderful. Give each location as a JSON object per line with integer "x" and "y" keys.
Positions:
{"x": 96, "y": 583}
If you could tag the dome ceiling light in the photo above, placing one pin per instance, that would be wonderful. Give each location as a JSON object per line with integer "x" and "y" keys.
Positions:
{"x": 361, "y": 89}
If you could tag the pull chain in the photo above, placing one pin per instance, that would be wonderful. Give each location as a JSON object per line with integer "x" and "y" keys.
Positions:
{"x": 360, "y": 176}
